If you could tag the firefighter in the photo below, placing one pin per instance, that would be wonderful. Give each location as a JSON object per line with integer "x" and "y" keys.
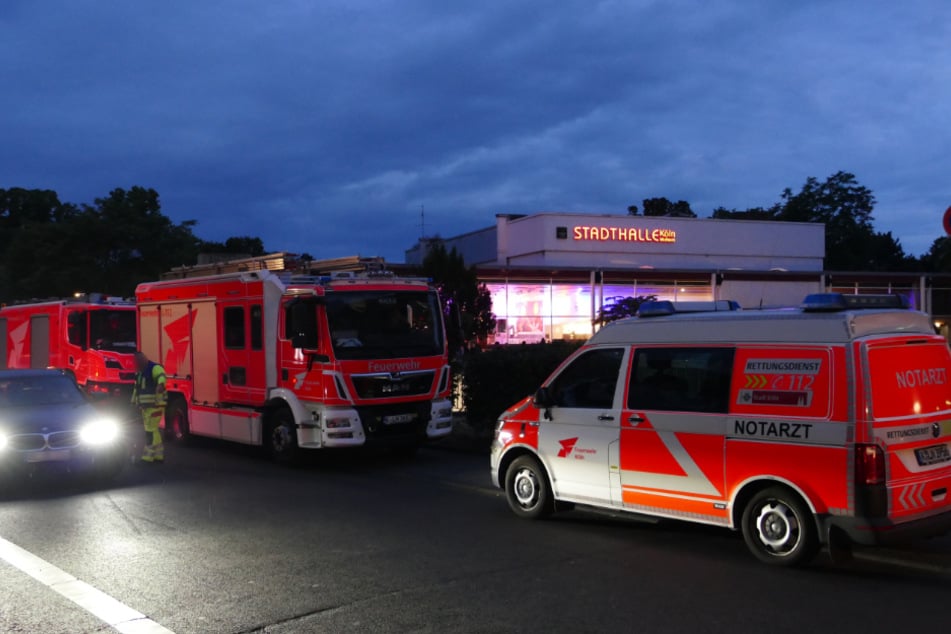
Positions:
{"x": 149, "y": 396}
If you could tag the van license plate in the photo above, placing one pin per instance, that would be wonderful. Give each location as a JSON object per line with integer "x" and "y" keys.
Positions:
{"x": 932, "y": 455}
{"x": 396, "y": 419}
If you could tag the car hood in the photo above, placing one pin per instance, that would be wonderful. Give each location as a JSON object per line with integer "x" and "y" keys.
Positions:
{"x": 45, "y": 418}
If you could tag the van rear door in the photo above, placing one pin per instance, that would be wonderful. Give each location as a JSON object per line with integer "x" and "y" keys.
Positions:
{"x": 910, "y": 406}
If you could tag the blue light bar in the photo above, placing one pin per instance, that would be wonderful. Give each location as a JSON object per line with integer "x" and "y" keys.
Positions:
{"x": 831, "y": 302}
{"x": 666, "y": 307}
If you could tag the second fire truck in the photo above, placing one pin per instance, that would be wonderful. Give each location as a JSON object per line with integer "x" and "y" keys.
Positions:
{"x": 90, "y": 336}
{"x": 299, "y": 362}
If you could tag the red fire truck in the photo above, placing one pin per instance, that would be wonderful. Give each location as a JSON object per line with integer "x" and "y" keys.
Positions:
{"x": 298, "y": 361}
{"x": 92, "y": 336}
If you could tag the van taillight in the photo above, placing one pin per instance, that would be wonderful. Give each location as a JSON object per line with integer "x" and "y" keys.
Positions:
{"x": 869, "y": 464}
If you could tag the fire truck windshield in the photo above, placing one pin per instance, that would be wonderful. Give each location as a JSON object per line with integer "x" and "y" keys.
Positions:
{"x": 384, "y": 324}
{"x": 112, "y": 330}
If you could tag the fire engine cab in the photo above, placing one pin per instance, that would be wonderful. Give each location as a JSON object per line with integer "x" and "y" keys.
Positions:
{"x": 261, "y": 356}
{"x": 91, "y": 336}
{"x": 828, "y": 424}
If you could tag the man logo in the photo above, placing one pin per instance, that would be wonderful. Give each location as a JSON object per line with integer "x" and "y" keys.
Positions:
{"x": 567, "y": 445}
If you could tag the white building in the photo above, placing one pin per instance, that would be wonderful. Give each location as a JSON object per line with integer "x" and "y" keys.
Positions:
{"x": 551, "y": 273}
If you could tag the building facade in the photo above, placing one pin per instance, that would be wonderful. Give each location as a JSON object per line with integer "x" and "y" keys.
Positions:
{"x": 550, "y": 274}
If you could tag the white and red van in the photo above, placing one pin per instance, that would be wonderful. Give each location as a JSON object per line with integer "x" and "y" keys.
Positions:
{"x": 826, "y": 424}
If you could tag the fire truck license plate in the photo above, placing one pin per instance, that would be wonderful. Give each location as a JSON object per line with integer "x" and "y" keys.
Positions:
{"x": 396, "y": 419}
{"x": 932, "y": 455}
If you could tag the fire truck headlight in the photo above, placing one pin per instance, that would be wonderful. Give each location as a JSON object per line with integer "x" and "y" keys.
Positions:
{"x": 99, "y": 432}
{"x": 336, "y": 423}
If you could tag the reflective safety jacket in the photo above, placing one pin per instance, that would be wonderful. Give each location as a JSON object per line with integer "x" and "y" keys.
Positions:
{"x": 150, "y": 387}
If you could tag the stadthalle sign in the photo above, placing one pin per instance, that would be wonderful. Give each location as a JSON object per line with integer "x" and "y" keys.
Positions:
{"x": 623, "y": 234}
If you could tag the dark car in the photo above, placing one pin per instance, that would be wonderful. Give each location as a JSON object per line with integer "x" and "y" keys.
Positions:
{"x": 47, "y": 424}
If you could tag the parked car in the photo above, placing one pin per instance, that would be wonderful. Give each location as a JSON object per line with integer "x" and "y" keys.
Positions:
{"x": 47, "y": 424}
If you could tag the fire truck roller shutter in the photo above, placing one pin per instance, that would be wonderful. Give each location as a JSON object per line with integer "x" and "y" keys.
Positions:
{"x": 273, "y": 291}
{"x": 39, "y": 342}
{"x": 3, "y": 344}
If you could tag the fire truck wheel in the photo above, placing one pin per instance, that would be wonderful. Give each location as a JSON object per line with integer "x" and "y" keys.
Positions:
{"x": 176, "y": 421}
{"x": 779, "y": 528}
{"x": 282, "y": 437}
{"x": 527, "y": 489}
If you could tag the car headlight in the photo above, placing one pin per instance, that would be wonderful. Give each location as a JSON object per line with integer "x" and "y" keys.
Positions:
{"x": 99, "y": 432}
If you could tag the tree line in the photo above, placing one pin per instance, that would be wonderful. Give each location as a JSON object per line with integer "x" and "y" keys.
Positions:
{"x": 51, "y": 248}
{"x": 846, "y": 207}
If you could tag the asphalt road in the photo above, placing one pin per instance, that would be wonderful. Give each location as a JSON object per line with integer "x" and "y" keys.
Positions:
{"x": 220, "y": 540}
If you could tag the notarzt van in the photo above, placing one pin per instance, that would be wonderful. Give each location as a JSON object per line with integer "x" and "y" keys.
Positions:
{"x": 829, "y": 424}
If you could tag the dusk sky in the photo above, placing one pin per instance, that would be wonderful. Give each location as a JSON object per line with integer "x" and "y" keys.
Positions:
{"x": 323, "y": 127}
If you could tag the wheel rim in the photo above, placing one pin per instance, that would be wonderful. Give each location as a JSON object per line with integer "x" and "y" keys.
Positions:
{"x": 525, "y": 488}
{"x": 178, "y": 425}
{"x": 280, "y": 439}
{"x": 778, "y": 528}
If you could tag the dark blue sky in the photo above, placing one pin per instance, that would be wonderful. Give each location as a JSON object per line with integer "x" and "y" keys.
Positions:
{"x": 323, "y": 126}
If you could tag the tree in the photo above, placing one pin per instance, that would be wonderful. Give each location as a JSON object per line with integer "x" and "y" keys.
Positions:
{"x": 663, "y": 207}
{"x": 466, "y": 302}
{"x": 938, "y": 257}
{"x": 845, "y": 207}
{"x": 51, "y": 249}
{"x": 753, "y": 213}
{"x": 621, "y": 308}
{"x": 632, "y": 210}
{"x": 236, "y": 245}
{"x": 136, "y": 241}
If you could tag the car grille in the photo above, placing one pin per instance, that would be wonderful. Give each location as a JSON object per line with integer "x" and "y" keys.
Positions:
{"x": 393, "y": 385}
{"x": 36, "y": 442}
{"x": 63, "y": 439}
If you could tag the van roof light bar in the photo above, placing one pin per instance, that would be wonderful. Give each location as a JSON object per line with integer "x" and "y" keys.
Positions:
{"x": 666, "y": 307}
{"x": 832, "y": 302}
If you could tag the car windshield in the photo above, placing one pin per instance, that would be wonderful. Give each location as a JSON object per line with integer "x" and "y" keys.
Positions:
{"x": 112, "y": 330}
{"x": 27, "y": 391}
{"x": 384, "y": 324}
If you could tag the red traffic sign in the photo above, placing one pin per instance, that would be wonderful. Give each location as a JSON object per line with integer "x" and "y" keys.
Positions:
{"x": 947, "y": 221}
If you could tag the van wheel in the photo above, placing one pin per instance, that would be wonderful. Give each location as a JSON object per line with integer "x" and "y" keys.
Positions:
{"x": 527, "y": 489}
{"x": 282, "y": 438}
{"x": 779, "y": 528}
{"x": 176, "y": 421}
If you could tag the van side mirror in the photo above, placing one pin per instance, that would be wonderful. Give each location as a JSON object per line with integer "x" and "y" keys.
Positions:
{"x": 544, "y": 400}
{"x": 543, "y": 397}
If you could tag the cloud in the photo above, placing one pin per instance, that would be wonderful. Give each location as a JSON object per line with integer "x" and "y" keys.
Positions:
{"x": 324, "y": 127}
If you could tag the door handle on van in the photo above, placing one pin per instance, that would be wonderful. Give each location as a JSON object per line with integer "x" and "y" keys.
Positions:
{"x": 635, "y": 420}
{"x": 605, "y": 417}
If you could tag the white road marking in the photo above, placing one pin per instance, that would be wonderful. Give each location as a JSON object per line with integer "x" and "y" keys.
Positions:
{"x": 117, "y": 614}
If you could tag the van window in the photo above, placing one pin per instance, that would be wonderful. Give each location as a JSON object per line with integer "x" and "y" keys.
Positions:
{"x": 681, "y": 379}
{"x": 234, "y": 327}
{"x": 589, "y": 381}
